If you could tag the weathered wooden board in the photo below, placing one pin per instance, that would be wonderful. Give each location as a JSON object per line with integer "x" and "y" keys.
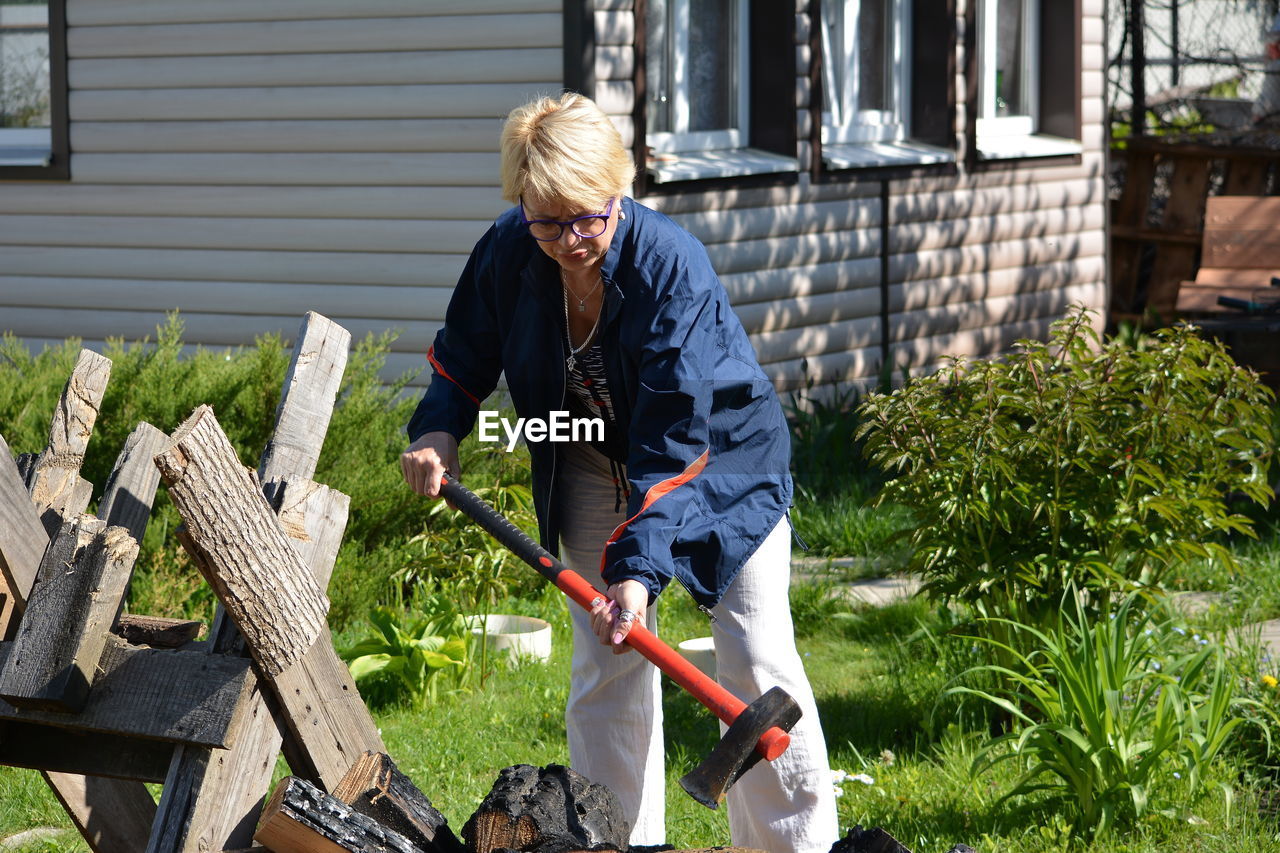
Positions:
{"x": 121, "y": 763}
{"x": 156, "y": 631}
{"x": 131, "y": 488}
{"x": 56, "y": 487}
{"x": 159, "y": 694}
{"x": 78, "y": 593}
{"x": 112, "y": 814}
{"x": 306, "y": 404}
{"x": 22, "y": 542}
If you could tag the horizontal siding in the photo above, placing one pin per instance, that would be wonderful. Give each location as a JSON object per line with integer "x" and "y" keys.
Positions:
{"x": 218, "y": 329}
{"x": 86, "y": 13}
{"x": 221, "y": 297}
{"x": 423, "y": 32}
{"x": 190, "y": 232}
{"x": 355, "y": 269}
{"x": 317, "y": 69}
{"x": 246, "y": 162}
{"x": 391, "y": 169}
{"x": 395, "y": 202}
{"x": 462, "y": 100}
{"x": 286, "y": 136}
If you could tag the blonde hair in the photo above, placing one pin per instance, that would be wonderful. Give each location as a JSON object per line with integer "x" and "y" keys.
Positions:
{"x": 564, "y": 150}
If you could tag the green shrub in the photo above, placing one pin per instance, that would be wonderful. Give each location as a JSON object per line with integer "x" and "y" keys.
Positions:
{"x": 408, "y": 651}
{"x": 1115, "y": 715}
{"x": 1072, "y": 462}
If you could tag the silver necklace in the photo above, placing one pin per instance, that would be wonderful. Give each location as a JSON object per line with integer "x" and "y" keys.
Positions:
{"x": 582, "y": 301}
{"x": 572, "y": 361}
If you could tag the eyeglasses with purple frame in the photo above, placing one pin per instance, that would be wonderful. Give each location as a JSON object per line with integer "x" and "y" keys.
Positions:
{"x": 572, "y": 223}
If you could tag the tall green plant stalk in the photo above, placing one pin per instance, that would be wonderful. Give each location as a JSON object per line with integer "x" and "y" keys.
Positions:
{"x": 1109, "y": 712}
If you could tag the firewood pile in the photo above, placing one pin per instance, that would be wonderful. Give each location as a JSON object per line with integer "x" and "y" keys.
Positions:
{"x": 101, "y": 701}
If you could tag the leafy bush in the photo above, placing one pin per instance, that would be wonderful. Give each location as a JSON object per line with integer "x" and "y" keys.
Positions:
{"x": 1116, "y": 716}
{"x": 408, "y": 651}
{"x": 1072, "y": 462}
{"x": 162, "y": 382}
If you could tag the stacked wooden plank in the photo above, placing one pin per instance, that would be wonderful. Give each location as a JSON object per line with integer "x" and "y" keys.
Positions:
{"x": 1156, "y": 222}
{"x": 101, "y": 715}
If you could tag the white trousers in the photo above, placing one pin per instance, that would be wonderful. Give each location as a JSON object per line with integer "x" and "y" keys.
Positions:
{"x": 614, "y": 712}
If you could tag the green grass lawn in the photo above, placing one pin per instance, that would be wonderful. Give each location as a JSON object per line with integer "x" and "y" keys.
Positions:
{"x": 877, "y": 678}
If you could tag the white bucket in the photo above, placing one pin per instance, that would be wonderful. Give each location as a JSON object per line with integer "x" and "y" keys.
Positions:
{"x": 701, "y": 652}
{"x": 524, "y": 637}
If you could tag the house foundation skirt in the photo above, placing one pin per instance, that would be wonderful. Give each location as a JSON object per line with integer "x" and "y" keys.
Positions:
{"x": 614, "y": 713}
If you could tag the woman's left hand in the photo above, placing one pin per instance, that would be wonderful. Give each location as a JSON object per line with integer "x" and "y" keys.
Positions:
{"x": 612, "y": 620}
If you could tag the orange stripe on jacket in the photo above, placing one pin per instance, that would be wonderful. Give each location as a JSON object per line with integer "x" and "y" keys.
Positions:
{"x": 656, "y": 491}
{"x": 431, "y": 357}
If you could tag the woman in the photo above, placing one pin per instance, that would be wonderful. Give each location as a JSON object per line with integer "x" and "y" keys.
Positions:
{"x": 594, "y": 304}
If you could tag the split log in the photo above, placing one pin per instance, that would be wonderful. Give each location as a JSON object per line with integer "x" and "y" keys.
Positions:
{"x": 530, "y": 806}
{"x": 376, "y": 788}
{"x": 73, "y": 605}
{"x": 873, "y": 840}
{"x": 238, "y": 544}
{"x": 300, "y": 818}
{"x": 212, "y": 801}
{"x": 56, "y": 487}
{"x": 156, "y": 631}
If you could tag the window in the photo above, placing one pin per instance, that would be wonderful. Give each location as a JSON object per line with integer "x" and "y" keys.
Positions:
{"x": 718, "y": 84}
{"x": 1023, "y": 47}
{"x": 1010, "y": 73}
{"x": 697, "y": 74}
{"x": 32, "y": 91}
{"x": 871, "y": 59}
{"x": 865, "y": 75}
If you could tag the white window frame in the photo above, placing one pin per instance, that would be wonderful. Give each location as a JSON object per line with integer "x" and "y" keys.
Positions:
{"x": 681, "y": 139}
{"x": 991, "y": 125}
{"x": 846, "y": 123}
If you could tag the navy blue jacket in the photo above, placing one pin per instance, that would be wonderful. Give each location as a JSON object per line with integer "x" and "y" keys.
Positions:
{"x": 708, "y": 446}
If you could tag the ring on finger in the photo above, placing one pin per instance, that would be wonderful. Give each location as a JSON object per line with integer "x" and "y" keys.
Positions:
{"x": 597, "y": 601}
{"x": 627, "y": 616}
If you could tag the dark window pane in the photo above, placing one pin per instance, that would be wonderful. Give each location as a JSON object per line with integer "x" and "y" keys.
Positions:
{"x": 711, "y": 65}
{"x": 658, "y": 68}
{"x": 24, "y": 65}
{"x": 1010, "y": 62}
{"x": 874, "y": 53}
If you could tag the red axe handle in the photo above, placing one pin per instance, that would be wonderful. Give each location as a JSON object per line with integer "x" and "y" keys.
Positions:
{"x": 721, "y": 702}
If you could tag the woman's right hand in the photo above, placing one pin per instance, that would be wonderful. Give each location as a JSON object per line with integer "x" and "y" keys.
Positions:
{"x": 427, "y": 460}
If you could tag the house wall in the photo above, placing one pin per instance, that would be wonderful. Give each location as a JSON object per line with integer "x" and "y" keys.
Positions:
{"x": 342, "y": 157}
{"x": 247, "y": 162}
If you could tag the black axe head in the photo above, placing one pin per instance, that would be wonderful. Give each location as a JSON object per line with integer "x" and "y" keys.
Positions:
{"x": 736, "y": 753}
